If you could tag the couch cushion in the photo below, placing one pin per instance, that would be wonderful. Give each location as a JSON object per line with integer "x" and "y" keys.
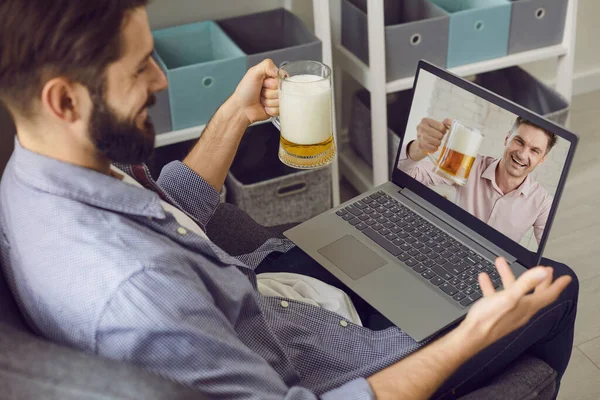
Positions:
{"x": 31, "y": 368}
{"x": 527, "y": 378}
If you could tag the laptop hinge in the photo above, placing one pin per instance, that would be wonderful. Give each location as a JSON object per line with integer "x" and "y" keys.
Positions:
{"x": 454, "y": 227}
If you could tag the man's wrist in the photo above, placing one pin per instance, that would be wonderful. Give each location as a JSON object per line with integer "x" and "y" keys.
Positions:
{"x": 468, "y": 339}
{"x": 412, "y": 152}
{"x": 232, "y": 111}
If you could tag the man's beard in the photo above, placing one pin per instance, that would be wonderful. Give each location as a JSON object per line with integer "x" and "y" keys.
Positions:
{"x": 119, "y": 140}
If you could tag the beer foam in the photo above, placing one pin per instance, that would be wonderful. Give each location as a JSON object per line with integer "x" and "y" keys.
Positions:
{"x": 305, "y": 109}
{"x": 465, "y": 140}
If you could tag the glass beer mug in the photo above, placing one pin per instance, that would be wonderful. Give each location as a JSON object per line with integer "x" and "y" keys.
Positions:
{"x": 305, "y": 115}
{"x": 459, "y": 150}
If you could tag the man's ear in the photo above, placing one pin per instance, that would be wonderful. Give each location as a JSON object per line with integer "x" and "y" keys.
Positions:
{"x": 506, "y": 139}
{"x": 62, "y": 99}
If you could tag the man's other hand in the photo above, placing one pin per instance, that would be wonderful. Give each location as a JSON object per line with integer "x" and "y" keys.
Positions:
{"x": 430, "y": 134}
{"x": 256, "y": 95}
{"x": 499, "y": 313}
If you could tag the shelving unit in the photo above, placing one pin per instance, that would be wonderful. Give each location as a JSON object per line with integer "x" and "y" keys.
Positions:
{"x": 321, "y": 16}
{"x": 373, "y": 78}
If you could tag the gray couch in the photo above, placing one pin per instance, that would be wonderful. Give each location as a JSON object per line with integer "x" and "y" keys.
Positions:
{"x": 33, "y": 368}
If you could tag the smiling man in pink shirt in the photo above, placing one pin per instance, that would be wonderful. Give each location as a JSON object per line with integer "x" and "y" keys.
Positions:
{"x": 499, "y": 192}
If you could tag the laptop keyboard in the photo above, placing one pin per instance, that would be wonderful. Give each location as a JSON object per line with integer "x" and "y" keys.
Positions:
{"x": 435, "y": 256}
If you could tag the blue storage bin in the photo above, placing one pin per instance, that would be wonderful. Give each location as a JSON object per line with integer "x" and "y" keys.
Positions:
{"x": 203, "y": 67}
{"x": 479, "y": 29}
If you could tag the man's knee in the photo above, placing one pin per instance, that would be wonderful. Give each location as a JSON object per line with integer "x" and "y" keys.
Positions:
{"x": 572, "y": 291}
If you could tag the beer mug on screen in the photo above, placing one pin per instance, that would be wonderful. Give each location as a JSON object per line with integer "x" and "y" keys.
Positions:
{"x": 305, "y": 115}
{"x": 460, "y": 147}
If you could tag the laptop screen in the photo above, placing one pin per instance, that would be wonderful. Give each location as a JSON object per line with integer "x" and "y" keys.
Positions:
{"x": 499, "y": 167}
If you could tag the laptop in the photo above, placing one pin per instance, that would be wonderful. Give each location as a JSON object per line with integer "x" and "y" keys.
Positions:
{"x": 413, "y": 247}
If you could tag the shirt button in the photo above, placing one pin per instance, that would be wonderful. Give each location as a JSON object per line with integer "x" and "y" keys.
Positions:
{"x": 343, "y": 323}
{"x": 182, "y": 231}
{"x": 284, "y": 304}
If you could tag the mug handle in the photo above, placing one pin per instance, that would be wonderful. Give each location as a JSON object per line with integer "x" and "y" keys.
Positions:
{"x": 433, "y": 158}
{"x": 275, "y": 121}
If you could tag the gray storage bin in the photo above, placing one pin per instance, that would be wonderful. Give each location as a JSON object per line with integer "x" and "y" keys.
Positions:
{"x": 415, "y": 30}
{"x": 518, "y": 86}
{"x": 269, "y": 191}
{"x": 536, "y": 23}
{"x": 276, "y": 34}
{"x": 359, "y": 130}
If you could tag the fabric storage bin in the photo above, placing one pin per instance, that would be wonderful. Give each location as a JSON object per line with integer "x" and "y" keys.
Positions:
{"x": 269, "y": 191}
{"x": 415, "y": 30}
{"x": 520, "y": 87}
{"x": 277, "y": 34}
{"x": 160, "y": 113}
{"x": 479, "y": 29}
{"x": 203, "y": 67}
{"x": 536, "y": 23}
{"x": 359, "y": 130}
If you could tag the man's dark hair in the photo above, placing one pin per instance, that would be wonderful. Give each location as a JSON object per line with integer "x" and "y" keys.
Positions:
{"x": 552, "y": 138}
{"x": 43, "y": 39}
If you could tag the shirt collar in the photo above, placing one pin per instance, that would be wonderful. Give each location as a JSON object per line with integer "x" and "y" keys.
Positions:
{"x": 490, "y": 174}
{"x": 84, "y": 185}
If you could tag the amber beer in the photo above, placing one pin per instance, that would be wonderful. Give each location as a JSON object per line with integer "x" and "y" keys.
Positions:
{"x": 458, "y": 153}
{"x": 305, "y": 115}
{"x": 313, "y": 154}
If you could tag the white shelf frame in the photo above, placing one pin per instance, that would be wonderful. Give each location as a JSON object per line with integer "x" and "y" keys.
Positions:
{"x": 373, "y": 78}
{"x": 322, "y": 19}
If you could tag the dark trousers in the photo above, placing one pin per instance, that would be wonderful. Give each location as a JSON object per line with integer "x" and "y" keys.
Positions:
{"x": 547, "y": 336}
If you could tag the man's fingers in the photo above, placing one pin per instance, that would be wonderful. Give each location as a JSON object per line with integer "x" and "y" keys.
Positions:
{"x": 529, "y": 280}
{"x": 268, "y": 67}
{"x": 447, "y": 123}
{"x": 436, "y": 125}
{"x": 269, "y": 93}
{"x": 270, "y": 83}
{"x": 485, "y": 283}
{"x": 271, "y": 103}
{"x": 506, "y": 274}
{"x": 546, "y": 282}
{"x": 427, "y": 131}
{"x": 551, "y": 293}
{"x": 427, "y": 147}
{"x": 272, "y": 111}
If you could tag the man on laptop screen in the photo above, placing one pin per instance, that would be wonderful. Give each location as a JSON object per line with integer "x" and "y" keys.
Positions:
{"x": 509, "y": 185}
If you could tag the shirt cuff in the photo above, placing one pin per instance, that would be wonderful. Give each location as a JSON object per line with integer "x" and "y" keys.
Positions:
{"x": 358, "y": 389}
{"x": 192, "y": 193}
{"x": 406, "y": 163}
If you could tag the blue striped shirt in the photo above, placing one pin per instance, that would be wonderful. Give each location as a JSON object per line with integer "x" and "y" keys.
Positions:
{"x": 98, "y": 265}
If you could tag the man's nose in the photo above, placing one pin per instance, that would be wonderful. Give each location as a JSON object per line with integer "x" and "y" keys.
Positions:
{"x": 160, "y": 81}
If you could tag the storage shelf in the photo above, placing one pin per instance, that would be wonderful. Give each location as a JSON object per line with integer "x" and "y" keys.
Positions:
{"x": 360, "y": 71}
{"x": 355, "y": 169}
{"x": 372, "y": 78}
{"x": 165, "y": 139}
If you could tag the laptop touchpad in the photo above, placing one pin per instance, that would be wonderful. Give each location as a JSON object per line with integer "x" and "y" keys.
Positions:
{"x": 352, "y": 257}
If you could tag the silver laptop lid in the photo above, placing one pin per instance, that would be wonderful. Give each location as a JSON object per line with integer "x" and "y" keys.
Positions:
{"x": 500, "y": 169}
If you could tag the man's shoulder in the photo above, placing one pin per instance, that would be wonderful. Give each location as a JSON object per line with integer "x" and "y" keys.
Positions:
{"x": 539, "y": 192}
{"x": 485, "y": 161}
